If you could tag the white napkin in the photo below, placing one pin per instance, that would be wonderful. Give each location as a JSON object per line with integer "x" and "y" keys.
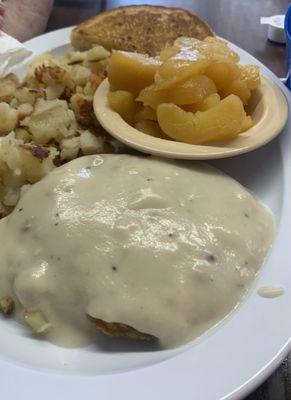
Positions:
{"x": 12, "y": 53}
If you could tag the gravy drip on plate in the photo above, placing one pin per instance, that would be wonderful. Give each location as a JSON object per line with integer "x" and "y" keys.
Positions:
{"x": 271, "y": 291}
{"x": 164, "y": 247}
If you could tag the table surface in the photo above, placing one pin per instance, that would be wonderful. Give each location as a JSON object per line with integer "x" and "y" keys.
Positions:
{"x": 239, "y": 22}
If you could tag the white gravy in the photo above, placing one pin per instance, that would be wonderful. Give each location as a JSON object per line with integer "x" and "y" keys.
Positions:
{"x": 160, "y": 246}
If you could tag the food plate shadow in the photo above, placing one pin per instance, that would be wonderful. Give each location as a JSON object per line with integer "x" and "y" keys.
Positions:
{"x": 107, "y": 344}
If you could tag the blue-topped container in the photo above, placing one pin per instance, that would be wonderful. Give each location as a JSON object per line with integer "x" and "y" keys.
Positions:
{"x": 288, "y": 45}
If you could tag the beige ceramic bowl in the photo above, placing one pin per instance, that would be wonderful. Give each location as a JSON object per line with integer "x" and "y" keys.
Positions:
{"x": 268, "y": 108}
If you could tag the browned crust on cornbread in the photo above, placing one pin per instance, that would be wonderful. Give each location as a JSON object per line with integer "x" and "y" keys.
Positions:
{"x": 145, "y": 29}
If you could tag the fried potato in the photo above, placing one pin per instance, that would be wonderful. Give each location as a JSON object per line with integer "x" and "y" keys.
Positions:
{"x": 8, "y": 86}
{"x": 70, "y": 148}
{"x": 8, "y": 118}
{"x": 48, "y": 118}
{"x": 91, "y": 144}
{"x": 25, "y": 95}
{"x": 83, "y": 110}
{"x": 51, "y": 120}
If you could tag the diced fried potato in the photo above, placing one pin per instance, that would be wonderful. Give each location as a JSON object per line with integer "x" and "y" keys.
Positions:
{"x": 92, "y": 85}
{"x": 54, "y": 91}
{"x": 27, "y": 95}
{"x": 79, "y": 90}
{"x": 23, "y": 134}
{"x": 32, "y": 83}
{"x": 8, "y": 87}
{"x": 50, "y": 120}
{"x": 9, "y": 153}
{"x": 74, "y": 57}
{"x": 36, "y": 160}
{"x": 24, "y": 162}
{"x": 91, "y": 144}
{"x": 123, "y": 103}
{"x": 8, "y": 118}
{"x": 96, "y": 67}
{"x": 80, "y": 75}
{"x": 221, "y": 122}
{"x": 37, "y": 111}
{"x": 12, "y": 78}
{"x": 24, "y": 110}
{"x": 131, "y": 71}
{"x": 83, "y": 109}
{"x": 97, "y": 53}
{"x": 54, "y": 75}
{"x": 70, "y": 148}
{"x": 87, "y": 91}
{"x": 39, "y": 61}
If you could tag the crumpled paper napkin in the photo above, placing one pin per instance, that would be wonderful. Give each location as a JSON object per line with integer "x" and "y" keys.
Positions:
{"x": 12, "y": 53}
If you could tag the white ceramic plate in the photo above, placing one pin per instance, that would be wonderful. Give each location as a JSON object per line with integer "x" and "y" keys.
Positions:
{"x": 226, "y": 363}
